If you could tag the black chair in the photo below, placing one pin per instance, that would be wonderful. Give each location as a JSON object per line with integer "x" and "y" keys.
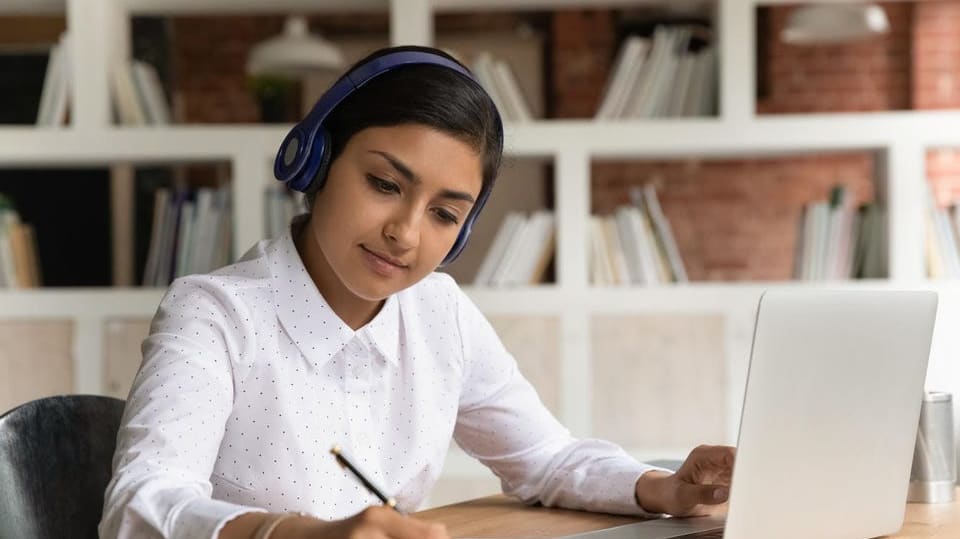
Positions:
{"x": 55, "y": 463}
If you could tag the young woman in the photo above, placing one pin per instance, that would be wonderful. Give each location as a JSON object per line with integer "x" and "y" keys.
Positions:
{"x": 340, "y": 333}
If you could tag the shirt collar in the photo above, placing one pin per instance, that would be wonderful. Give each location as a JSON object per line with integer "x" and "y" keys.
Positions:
{"x": 307, "y": 317}
{"x": 384, "y": 330}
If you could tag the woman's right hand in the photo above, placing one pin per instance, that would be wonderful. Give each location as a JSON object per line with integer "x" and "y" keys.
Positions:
{"x": 378, "y": 522}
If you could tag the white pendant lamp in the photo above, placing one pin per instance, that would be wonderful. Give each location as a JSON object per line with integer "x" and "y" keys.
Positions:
{"x": 824, "y": 24}
{"x": 294, "y": 53}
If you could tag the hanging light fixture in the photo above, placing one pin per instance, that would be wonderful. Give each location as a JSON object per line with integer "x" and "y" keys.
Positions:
{"x": 294, "y": 53}
{"x": 824, "y": 24}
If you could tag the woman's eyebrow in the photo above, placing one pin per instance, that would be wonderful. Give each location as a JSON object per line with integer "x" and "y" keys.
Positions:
{"x": 413, "y": 178}
{"x": 399, "y": 165}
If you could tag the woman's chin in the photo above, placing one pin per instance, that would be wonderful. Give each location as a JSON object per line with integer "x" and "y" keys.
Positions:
{"x": 373, "y": 290}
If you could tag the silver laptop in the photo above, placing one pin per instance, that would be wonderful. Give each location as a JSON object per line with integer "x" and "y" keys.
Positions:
{"x": 829, "y": 420}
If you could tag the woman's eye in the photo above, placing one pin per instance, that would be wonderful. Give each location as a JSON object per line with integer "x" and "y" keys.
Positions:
{"x": 383, "y": 185}
{"x": 447, "y": 217}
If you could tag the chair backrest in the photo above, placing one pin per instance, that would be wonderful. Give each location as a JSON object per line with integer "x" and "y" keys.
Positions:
{"x": 55, "y": 463}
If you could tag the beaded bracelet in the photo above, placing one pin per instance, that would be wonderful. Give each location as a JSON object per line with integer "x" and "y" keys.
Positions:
{"x": 271, "y": 523}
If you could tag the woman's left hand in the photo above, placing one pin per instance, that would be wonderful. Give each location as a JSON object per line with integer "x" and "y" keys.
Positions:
{"x": 701, "y": 484}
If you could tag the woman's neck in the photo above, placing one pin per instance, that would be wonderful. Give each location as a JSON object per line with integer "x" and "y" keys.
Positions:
{"x": 354, "y": 311}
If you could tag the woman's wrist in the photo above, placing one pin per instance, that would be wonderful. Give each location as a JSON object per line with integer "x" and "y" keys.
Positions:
{"x": 288, "y": 526}
{"x": 649, "y": 491}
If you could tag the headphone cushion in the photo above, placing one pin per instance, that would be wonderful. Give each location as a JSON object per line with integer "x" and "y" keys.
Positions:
{"x": 315, "y": 170}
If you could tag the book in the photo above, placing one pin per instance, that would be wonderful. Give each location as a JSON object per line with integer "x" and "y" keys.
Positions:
{"x": 224, "y": 231}
{"x": 630, "y": 244}
{"x": 33, "y": 258}
{"x": 483, "y": 69}
{"x": 531, "y": 251}
{"x": 150, "y": 94}
{"x": 646, "y": 246}
{"x": 665, "y": 83}
{"x": 510, "y": 90}
{"x": 686, "y": 66}
{"x": 643, "y": 93}
{"x": 600, "y": 271}
{"x": 19, "y": 266}
{"x": 627, "y": 68}
{"x": 168, "y": 243}
{"x": 126, "y": 97}
{"x": 8, "y": 265}
{"x": 664, "y": 233}
{"x": 187, "y": 228}
{"x": 19, "y": 247}
{"x": 55, "y": 93}
{"x": 511, "y": 253}
{"x": 205, "y": 221}
{"x": 835, "y": 239}
{"x": 614, "y": 250}
{"x": 161, "y": 199}
{"x": 495, "y": 254}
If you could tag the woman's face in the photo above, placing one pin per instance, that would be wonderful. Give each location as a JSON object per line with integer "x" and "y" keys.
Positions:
{"x": 392, "y": 207}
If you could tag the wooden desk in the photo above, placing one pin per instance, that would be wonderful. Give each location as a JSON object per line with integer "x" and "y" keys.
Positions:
{"x": 499, "y": 516}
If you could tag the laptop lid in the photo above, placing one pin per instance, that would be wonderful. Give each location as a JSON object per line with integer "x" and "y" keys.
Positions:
{"x": 830, "y": 414}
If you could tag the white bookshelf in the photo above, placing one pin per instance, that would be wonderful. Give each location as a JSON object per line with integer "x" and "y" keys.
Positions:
{"x": 900, "y": 139}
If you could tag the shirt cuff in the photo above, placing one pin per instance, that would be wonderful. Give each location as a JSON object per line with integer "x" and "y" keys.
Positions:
{"x": 625, "y": 482}
{"x": 205, "y": 517}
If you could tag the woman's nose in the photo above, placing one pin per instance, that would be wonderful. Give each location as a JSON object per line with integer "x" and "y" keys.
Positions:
{"x": 404, "y": 229}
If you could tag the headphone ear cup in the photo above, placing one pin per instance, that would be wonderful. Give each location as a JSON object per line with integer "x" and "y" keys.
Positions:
{"x": 459, "y": 244}
{"x": 317, "y": 165}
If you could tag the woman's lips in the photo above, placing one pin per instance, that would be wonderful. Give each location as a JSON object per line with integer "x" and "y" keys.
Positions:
{"x": 381, "y": 264}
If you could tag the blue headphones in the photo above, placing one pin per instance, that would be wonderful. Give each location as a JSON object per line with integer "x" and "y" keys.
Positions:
{"x": 304, "y": 155}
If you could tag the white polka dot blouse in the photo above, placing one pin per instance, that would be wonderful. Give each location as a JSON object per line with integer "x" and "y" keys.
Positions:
{"x": 248, "y": 379}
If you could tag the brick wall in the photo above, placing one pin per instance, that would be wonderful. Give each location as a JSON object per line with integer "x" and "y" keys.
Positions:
{"x": 936, "y": 55}
{"x": 209, "y": 61}
{"x": 583, "y": 48}
{"x": 870, "y": 75}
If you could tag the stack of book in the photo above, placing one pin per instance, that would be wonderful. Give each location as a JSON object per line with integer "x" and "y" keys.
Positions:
{"x": 840, "y": 241}
{"x": 281, "y": 205}
{"x": 56, "y": 85}
{"x": 19, "y": 267}
{"x": 521, "y": 251}
{"x": 498, "y": 80}
{"x": 661, "y": 77}
{"x": 635, "y": 245}
{"x": 191, "y": 233}
{"x": 943, "y": 231}
{"x": 138, "y": 97}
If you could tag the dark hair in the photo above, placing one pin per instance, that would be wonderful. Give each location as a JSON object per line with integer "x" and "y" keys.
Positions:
{"x": 425, "y": 94}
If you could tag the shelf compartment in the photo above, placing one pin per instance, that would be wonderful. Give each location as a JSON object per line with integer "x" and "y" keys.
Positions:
{"x": 732, "y": 220}
{"x": 910, "y": 66}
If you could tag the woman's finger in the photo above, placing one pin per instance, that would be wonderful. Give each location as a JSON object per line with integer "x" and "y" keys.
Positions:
{"x": 690, "y": 495}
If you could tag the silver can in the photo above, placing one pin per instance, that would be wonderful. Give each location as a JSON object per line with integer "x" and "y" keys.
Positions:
{"x": 934, "y": 474}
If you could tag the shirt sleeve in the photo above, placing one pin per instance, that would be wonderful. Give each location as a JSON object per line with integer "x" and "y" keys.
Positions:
{"x": 174, "y": 421}
{"x": 502, "y": 423}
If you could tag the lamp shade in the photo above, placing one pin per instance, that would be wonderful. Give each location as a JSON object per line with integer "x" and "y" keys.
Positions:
{"x": 834, "y": 23}
{"x": 294, "y": 53}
